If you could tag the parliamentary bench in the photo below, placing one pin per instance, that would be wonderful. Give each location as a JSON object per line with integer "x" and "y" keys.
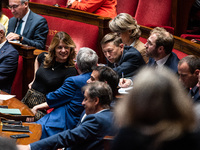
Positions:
{"x": 86, "y": 29}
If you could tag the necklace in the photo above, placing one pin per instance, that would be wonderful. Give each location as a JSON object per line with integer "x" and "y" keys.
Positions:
{"x": 57, "y": 65}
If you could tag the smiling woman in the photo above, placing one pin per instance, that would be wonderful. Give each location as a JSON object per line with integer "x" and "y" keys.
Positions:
{"x": 51, "y": 69}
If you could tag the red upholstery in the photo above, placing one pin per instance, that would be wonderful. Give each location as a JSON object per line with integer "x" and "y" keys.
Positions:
{"x": 7, "y": 12}
{"x": 179, "y": 53}
{"x": 61, "y": 3}
{"x": 84, "y": 35}
{"x": 190, "y": 36}
{"x": 154, "y": 12}
{"x": 127, "y": 6}
{"x": 17, "y": 83}
{"x": 49, "y": 110}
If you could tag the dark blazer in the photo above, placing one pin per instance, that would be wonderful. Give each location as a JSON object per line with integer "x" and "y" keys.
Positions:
{"x": 8, "y": 66}
{"x": 129, "y": 63}
{"x": 172, "y": 62}
{"x": 35, "y": 30}
{"x": 87, "y": 136}
{"x": 67, "y": 104}
{"x": 194, "y": 93}
{"x": 131, "y": 138}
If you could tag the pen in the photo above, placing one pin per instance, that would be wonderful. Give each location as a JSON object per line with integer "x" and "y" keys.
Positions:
{"x": 122, "y": 74}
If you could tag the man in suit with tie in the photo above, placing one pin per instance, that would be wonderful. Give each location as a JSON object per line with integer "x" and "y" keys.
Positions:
{"x": 159, "y": 47}
{"x": 88, "y": 135}
{"x": 188, "y": 70}
{"x": 125, "y": 60}
{"x": 8, "y": 62}
{"x": 26, "y": 26}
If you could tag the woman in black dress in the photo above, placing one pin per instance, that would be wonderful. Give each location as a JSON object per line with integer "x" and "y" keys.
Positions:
{"x": 51, "y": 69}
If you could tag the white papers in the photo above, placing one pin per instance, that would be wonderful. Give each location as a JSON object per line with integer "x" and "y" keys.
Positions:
{"x": 124, "y": 90}
{"x": 12, "y": 111}
{"x": 6, "y": 97}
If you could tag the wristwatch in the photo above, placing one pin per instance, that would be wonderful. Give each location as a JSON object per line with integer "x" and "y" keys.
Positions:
{"x": 20, "y": 37}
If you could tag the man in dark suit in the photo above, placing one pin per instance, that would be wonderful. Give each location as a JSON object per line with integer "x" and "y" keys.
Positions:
{"x": 89, "y": 134}
{"x": 159, "y": 47}
{"x": 26, "y": 26}
{"x": 188, "y": 70}
{"x": 8, "y": 62}
{"x": 125, "y": 60}
{"x": 67, "y": 100}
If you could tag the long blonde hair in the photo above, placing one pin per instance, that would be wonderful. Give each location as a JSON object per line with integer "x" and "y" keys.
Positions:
{"x": 50, "y": 57}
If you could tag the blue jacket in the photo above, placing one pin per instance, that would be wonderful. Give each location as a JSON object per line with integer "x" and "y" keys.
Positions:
{"x": 8, "y": 66}
{"x": 172, "y": 62}
{"x": 35, "y": 30}
{"x": 87, "y": 136}
{"x": 130, "y": 61}
{"x": 67, "y": 104}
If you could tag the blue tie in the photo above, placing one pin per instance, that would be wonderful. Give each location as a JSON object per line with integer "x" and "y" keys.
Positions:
{"x": 19, "y": 26}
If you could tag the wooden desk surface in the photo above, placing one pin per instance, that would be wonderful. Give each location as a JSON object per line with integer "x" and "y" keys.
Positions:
{"x": 35, "y": 133}
{"x": 15, "y": 103}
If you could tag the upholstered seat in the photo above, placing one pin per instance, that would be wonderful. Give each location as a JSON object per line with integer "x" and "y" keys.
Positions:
{"x": 17, "y": 83}
{"x": 84, "y": 35}
{"x": 154, "y": 13}
{"x": 7, "y": 12}
{"x": 127, "y": 6}
{"x": 190, "y": 36}
{"x": 61, "y": 3}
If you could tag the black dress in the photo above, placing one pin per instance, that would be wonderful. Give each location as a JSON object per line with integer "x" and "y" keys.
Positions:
{"x": 46, "y": 80}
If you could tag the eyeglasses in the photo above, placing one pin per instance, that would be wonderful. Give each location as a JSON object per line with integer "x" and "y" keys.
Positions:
{"x": 13, "y": 6}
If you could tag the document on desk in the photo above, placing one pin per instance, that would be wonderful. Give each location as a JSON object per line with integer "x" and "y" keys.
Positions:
{"x": 6, "y": 97}
{"x": 124, "y": 90}
{"x": 11, "y": 111}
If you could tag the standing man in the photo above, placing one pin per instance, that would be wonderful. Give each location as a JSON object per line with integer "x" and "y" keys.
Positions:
{"x": 125, "y": 60}
{"x": 159, "y": 47}
{"x": 8, "y": 62}
{"x": 88, "y": 135}
{"x": 26, "y": 26}
{"x": 188, "y": 70}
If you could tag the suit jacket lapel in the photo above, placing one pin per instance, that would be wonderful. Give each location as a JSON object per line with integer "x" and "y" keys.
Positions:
{"x": 13, "y": 25}
{"x": 3, "y": 49}
{"x": 28, "y": 24}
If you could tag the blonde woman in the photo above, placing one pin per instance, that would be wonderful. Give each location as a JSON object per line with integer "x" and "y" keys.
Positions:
{"x": 51, "y": 69}
{"x": 128, "y": 29}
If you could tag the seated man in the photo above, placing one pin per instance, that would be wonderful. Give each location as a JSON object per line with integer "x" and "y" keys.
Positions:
{"x": 105, "y": 8}
{"x": 159, "y": 47}
{"x": 89, "y": 134}
{"x": 107, "y": 75}
{"x": 8, "y": 62}
{"x": 67, "y": 100}
{"x": 125, "y": 60}
{"x": 188, "y": 70}
{"x": 26, "y": 26}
